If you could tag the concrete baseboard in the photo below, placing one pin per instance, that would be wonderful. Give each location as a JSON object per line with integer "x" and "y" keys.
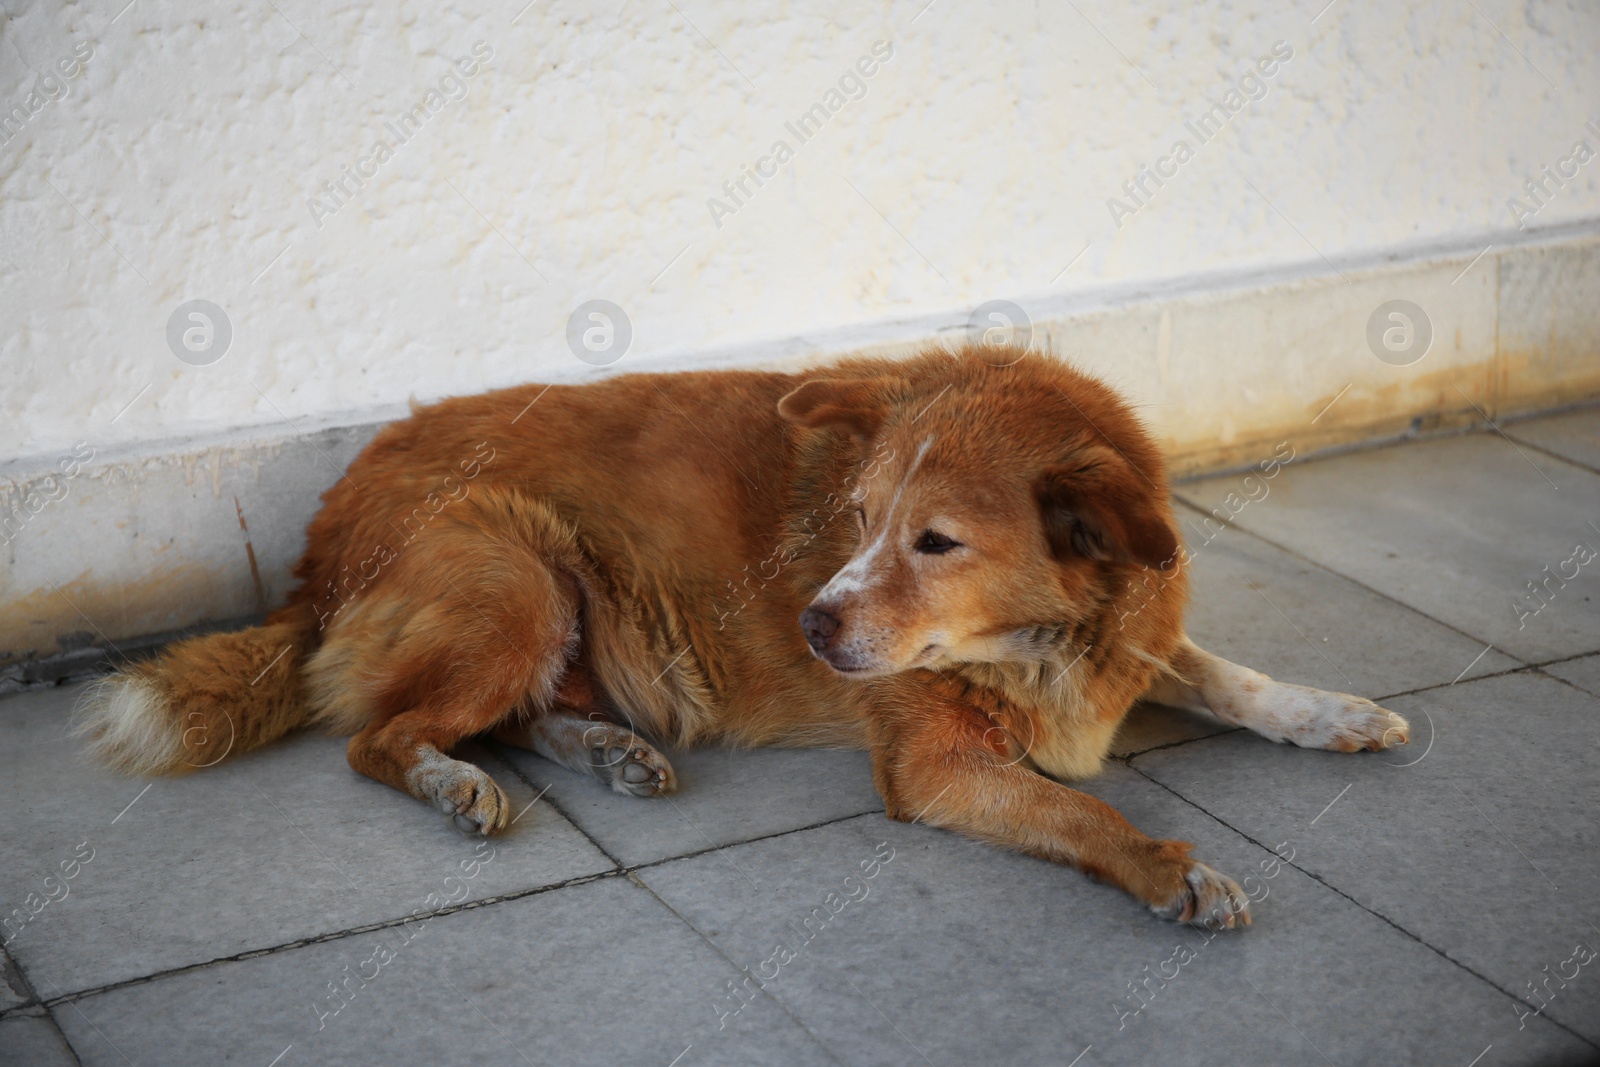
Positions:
{"x": 103, "y": 551}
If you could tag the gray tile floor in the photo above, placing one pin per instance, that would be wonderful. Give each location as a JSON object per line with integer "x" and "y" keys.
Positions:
{"x": 1439, "y": 905}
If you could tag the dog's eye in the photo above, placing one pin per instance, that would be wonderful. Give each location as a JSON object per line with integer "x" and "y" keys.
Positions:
{"x": 932, "y": 543}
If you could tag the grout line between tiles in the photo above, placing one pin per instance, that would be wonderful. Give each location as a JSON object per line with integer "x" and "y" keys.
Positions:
{"x": 336, "y": 935}
{"x": 1564, "y": 659}
{"x": 388, "y": 924}
{"x": 642, "y": 884}
{"x": 1448, "y": 685}
{"x": 516, "y": 772}
{"x": 1441, "y": 953}
{"x": 72, "y": 1050}
{"x": 10, "y": 968}
{"x": 1352, "y": 580}
{"x": 32, "y": 1006}
{"x": 1552, "y": 454}
{"x": 31, "y": 997}
{"x": 1531, "y": 667}
{"x": 1124, "y": 757}
{"x": 1565, "y": 682}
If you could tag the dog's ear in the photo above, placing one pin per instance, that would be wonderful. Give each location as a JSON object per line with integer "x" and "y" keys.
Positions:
{"x": 855, "y": 406}
{"x": 1098, "y": 508}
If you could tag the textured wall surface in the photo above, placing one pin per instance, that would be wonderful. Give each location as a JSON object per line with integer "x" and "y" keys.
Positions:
{"x": 188, "y": 156}
{"x": 1210, "y": 206}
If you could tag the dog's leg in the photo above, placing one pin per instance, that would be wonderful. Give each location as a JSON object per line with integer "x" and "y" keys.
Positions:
{"x": 1310, "y": 718}
{"x": 942, "y": 766}
{"x": 470, "y": 625}
{"x": 407, "y": 752}
{"x": 589, "y": 743}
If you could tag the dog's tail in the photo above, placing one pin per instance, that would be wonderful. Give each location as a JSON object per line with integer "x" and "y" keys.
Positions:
{"x": 199, "y": 702}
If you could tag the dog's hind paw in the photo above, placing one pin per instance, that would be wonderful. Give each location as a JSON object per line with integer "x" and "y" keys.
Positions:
{"x": 465, "y": 793}
{"x": 629, "y": 762}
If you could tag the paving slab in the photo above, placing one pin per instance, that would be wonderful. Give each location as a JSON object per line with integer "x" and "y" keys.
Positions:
{"x": 724, "y": 796}
{"x": 1151, "y": 726}
{"x": 1573, "y": 435}
{"x": 1270, "y": 610}
{"x": 1479, "y": 837}
{"x": 278, "y": 845}
{"x": 596, "y": 973}
{"x": 1583, "y": 672}
{"x": 33, "y": 1041}
{"x": 954, "y": 951}
{"x": 1265, "y": 608}
{"x": 1454, "y": 528}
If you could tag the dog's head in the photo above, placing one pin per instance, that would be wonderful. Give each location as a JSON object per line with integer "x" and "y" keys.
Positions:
{"x": 997, "y": 510}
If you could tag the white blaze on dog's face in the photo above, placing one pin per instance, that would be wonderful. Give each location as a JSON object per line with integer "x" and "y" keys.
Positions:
{"x": 987, "y": 536}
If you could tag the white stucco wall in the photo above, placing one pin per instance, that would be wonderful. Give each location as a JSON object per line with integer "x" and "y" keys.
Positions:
{"x": 179, "y": 160}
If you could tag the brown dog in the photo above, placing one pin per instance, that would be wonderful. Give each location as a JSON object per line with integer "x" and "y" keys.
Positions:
{"x": 979, "y": 548}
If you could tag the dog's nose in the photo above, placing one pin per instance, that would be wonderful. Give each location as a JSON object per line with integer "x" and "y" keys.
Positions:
{"x": 819, "y": 628}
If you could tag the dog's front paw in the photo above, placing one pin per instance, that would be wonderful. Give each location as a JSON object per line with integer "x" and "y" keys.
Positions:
{"x": 1316, "y": 718}
{"x": 1351, "y": 724}
{"x": 1208, "y": 899}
